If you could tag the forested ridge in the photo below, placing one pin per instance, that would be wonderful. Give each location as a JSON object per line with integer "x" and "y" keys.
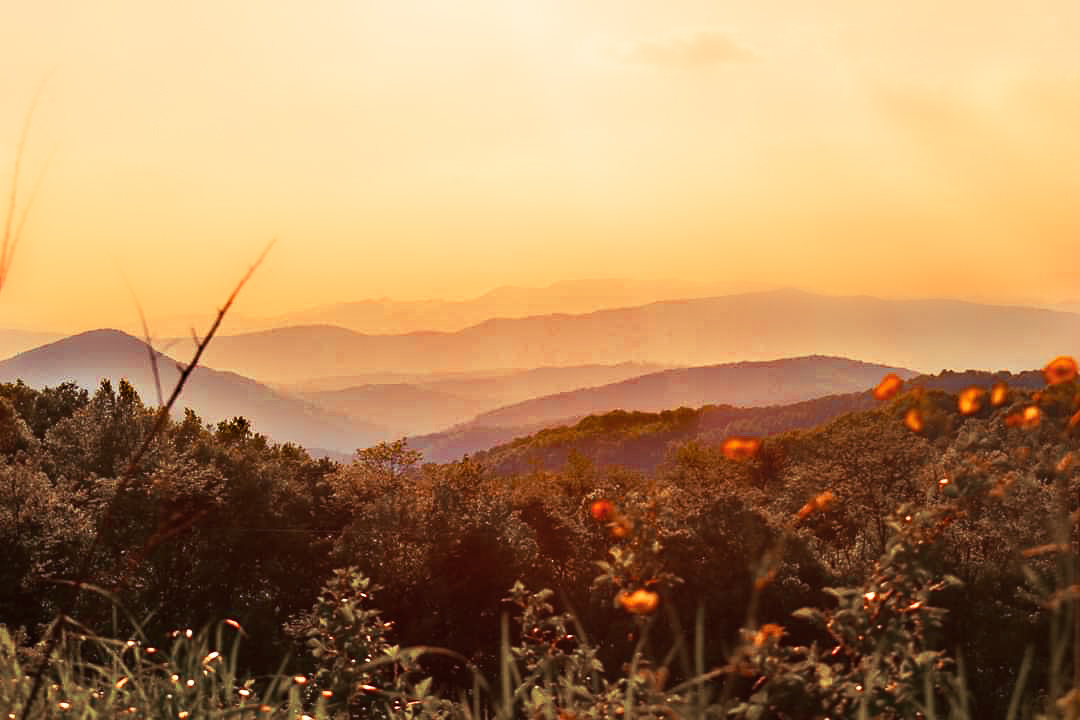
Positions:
{"x": 219, "y": 523}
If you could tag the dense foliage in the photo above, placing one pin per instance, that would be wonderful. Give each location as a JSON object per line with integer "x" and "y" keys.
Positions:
{"x": 949, "y": 549}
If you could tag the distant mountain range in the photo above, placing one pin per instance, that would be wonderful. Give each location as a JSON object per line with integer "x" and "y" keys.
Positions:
{"x": 384, "y": 316}
{"x": 744, "y": 384}
{"x": 431, "y": 403}
{"x": 89, "y": 357}
{"x": 393, "y": 317}
{"x": 925, "y": 335}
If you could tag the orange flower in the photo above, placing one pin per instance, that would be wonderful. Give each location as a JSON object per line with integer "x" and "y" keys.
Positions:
{"x": 1075, "y": 419}
{"x": 999, "y": 394}
{"x": 1061, "y": 369}
{"x": 603, "y": 510}
{"x": 914, "y": 420}
{"x": 741, "y": 448}
{"x": 970, "y": 401}
{"x": 768, "y": 633}
{"x": 622, "y": 527}
{"x": 890, "y": 385}
{"x": 820, "y": 503}
{"x": 639, "y": 602}
{"x": 1027, "y": 418}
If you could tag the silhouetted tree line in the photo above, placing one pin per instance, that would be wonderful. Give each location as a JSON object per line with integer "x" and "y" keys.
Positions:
{"x": 219, "y": 522}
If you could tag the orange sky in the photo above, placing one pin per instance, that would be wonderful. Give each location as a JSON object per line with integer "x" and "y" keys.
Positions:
{"x": 413, "y": 148}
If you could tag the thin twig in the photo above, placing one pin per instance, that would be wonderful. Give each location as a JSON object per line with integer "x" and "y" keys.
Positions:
{"x": 147, "y": 340}
{"x": 13, "y": 229}
{"x": 86, "y": 565}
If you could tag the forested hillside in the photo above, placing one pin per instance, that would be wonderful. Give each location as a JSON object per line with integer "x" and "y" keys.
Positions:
{"x": 218, "y": 523}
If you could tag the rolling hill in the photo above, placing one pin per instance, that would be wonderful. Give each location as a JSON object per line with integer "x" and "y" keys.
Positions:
{"x": 745, "y": 384}
{"x": 642, "y": 441}
{"x": 926, "y": 335}
{"x": 214, "y": 395}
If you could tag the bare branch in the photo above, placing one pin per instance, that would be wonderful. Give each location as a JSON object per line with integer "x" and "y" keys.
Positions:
{"x": 146, "y": 339}
{"x": 86, "y": 565}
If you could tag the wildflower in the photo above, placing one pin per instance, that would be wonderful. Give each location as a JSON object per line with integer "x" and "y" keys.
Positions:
{"x": 122, "y": 682}
{"x": 639, "y": 602}
{"x": 970, "y": 400}
{"x": 914, "y": 420}
{"x": 622, "y": 527}
{"x": 767, "y": 634}
{"x": 999, "y": 394}
{"x": 818, "y": 504}
{"x": 763, "y": 579}
{"x": 603, "y": 510}
{"x": 234, "y": 624}
{"x": 1027, "y": 418}
{"x": 1061, "y": 369}
{"x": 741, "y": 448}
{"x": 299, "y": 679}
{"x": 890, "y": 385}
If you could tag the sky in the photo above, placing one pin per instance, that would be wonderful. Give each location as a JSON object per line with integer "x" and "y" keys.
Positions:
{"x": 420, "y": 149}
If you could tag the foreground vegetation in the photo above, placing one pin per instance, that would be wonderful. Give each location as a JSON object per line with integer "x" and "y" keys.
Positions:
{"x": 913, "y": 560}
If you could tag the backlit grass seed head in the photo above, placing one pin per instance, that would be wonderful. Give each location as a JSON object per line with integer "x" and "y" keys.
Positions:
{"x": 889, "y": 386}
{"x": 970, "y": 401}
{"x": 639, "y": 602}
{"x": 1061, "y": 369}
{"x": 741, "y": 448}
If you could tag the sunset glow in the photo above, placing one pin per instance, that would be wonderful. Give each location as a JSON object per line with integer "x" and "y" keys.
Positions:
{"x": 417, "y": 150}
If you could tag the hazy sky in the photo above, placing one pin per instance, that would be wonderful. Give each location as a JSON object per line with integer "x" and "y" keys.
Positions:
{"x": 423, "y": 148}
